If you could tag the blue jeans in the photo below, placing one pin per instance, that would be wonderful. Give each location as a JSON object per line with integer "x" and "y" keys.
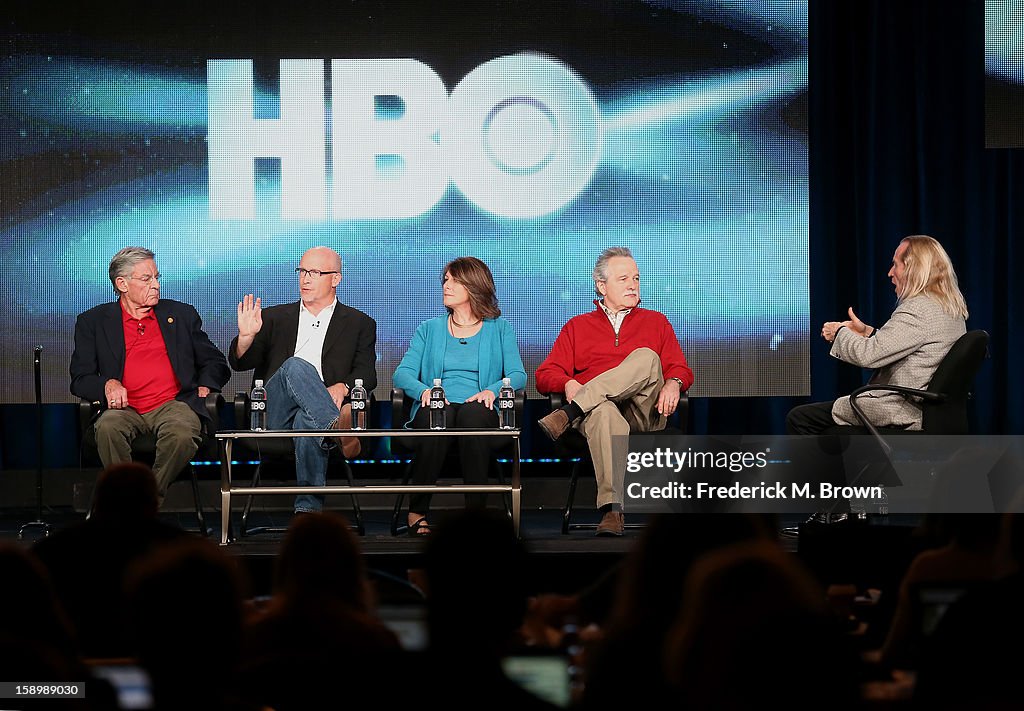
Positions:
{"x": 297, "y": 399}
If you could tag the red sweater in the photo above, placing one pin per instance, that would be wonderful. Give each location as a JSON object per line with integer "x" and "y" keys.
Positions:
{"x": 588, "y": 346}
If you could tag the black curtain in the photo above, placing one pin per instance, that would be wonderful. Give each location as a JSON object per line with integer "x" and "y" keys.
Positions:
{"x": 897, "y": 147}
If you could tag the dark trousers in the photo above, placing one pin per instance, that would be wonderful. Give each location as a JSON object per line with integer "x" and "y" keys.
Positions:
{"x": 178, "y": 434}
{"x": 811, "y": 419}
{"x": 474, "y": 452}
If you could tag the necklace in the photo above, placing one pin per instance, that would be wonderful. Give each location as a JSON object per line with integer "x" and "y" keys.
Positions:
{"x": 463, "y": 325}
{"x": 454, "y": 323}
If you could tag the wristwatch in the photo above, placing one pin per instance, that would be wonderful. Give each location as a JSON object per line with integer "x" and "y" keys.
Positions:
{"x": 680, "y": 381}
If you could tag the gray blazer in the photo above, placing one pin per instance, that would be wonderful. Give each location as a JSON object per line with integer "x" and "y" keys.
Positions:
{"x": 906, "y": 351}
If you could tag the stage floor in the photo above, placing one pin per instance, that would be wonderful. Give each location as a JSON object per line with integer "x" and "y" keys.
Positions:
{"x": 870, "y": 555}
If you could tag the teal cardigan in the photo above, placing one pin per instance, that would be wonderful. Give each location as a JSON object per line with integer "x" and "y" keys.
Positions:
{"x": 499, "y": 358}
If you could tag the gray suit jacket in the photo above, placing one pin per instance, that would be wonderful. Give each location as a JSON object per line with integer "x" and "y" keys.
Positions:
{"x": 906, "y": 351}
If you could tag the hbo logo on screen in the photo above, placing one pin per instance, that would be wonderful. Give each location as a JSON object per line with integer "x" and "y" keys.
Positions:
{"x": 519, "y": 136}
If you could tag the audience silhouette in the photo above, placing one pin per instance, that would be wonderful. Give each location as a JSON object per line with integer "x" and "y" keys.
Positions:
{"x": 184, "y": 611}
{"x": 649, "y": 594}
{"x": 754, "y": 630}
{"x": 36, "y": 640}
{"x": 706, "y": 612}
{"x": 974, "y": 658}
{"x": 476, "y": 598}
{"x": 318, "y": 637}
{"x": 87, "y": 561}
{"x": 967, "y": 554}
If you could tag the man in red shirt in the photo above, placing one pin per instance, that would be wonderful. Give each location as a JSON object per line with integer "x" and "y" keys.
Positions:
{"x": 621, "y": 369}
{"x": 151, "y": 366}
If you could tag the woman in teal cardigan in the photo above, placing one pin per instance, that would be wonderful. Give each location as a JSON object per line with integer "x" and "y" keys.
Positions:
{"x": 471, "y": 349}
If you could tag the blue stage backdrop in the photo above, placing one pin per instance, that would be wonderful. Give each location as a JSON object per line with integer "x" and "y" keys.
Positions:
{"x": 403, "y": 134}
{"x": 1004, "y": 74}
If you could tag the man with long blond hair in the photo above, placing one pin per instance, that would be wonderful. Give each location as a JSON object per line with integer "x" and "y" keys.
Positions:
{"x": 930, "y": 316}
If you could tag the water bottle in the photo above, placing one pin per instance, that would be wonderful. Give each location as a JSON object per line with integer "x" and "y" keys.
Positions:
{"x": 258, "y": 407}
{"x": 506, "y": 405}
{"x": 437, "y": 404}
{"x": 360, "y": 401}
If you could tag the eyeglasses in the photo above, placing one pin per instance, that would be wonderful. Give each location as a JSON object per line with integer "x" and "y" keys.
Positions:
{"x": 314, "y": 273}
{"x": 146, "y": 278}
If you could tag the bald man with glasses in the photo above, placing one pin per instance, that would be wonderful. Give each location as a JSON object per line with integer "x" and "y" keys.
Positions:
{"x": 149, "y": 364}
{"x": 309, "y": 354}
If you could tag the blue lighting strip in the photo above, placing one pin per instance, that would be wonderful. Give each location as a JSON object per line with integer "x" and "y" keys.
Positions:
{"x": 539, "y": 460}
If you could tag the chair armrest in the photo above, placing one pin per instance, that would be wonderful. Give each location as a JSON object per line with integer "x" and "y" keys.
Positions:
{"x": 923, "y": 394}
{"x": 520, "y": 405}
{"x": 213, "y": 403}
{"x": 88, "y": 410}
{"x": 556, "y": 400}
{"x": 373, "y": 416}
{"x": 397, "y": 400}
{"x": 242, "y": 410}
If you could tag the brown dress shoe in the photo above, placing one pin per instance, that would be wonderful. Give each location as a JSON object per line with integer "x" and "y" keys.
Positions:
{"x": 350, "y": 446}
{"x": 612, "y": 523}
{"x": 554, "y": 424}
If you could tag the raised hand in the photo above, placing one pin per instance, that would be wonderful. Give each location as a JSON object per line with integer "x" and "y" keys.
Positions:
{"x": 856, "y": 325}
{"x": 250, "y": 317}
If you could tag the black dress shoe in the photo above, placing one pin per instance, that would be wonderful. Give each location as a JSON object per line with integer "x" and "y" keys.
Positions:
{"x": 820, "y": 518}
{"x": 826, "y": 518}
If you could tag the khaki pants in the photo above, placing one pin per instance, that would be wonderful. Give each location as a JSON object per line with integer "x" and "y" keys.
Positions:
{"x": 614, "y": 403}
{"x": 178, "y": 435}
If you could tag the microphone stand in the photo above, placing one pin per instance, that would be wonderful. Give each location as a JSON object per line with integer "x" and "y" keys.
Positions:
{"x": 38, "y": 523}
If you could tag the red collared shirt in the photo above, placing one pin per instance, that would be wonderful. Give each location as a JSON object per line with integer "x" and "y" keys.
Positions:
{"x": 148, "y": 375}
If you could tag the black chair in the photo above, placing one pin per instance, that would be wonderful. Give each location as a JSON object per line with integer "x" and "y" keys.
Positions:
{"x": 401, "y": 407}
{"x": 943, "y": 402}
{"x": 943, "y": 408}
{"x": 574, "y": 444}
{"x": 280, "y": 451}
{"x": 144, "y": 447}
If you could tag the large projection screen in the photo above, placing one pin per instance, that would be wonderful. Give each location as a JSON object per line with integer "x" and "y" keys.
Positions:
{"x": 1004, "y": 74}
{"x": 532, "y": 134}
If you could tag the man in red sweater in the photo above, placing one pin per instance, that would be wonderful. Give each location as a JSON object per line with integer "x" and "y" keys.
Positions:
{"x": 621, "y": 369}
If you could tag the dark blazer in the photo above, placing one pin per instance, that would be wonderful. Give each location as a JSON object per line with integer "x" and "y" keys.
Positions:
{"x": 349, "y": 347}
{"x": 99, "y": 352}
